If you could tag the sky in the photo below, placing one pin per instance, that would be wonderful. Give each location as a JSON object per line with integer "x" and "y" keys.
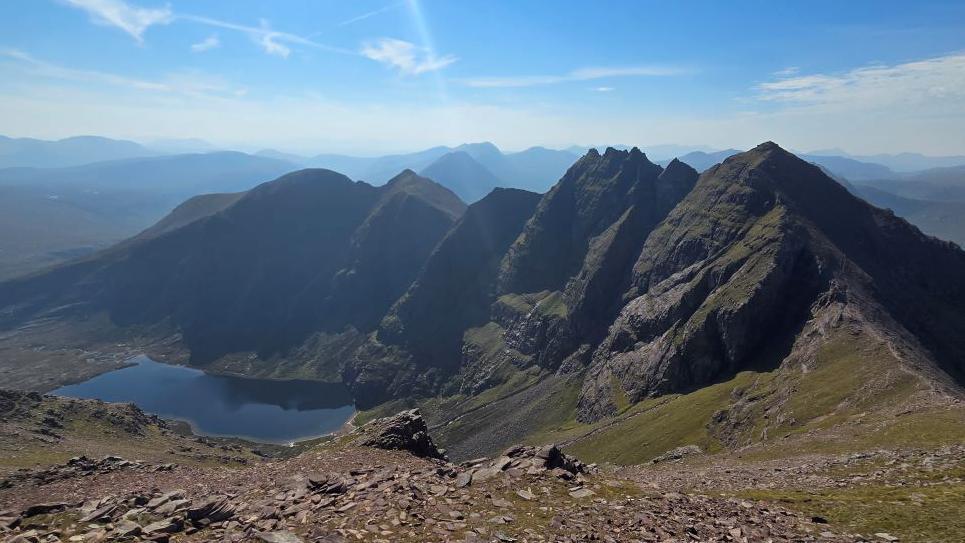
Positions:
{"x": 376, "y": 76}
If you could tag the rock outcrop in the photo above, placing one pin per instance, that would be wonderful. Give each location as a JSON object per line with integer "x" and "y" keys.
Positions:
{"x": 405, "y": 431}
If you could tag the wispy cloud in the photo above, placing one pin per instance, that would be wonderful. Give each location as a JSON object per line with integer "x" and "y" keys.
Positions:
{"x": 271, "y": 41}
{"x": 602, "y": 89}
{"x": 131, "y": 19}
{"x": 404, "y": 56}
{"x": 928, "y": 80}
{"x": 372, "y": 13}
{"x": 582, "y": 74}
{"x": 185, "y": 83}
{"x": 207, "y": 44}
{"x": 136, "y": 20}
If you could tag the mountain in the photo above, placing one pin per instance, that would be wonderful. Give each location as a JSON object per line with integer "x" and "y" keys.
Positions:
{"x": 180, "y": 146}
{"x": 457, "y": 286}
{"x": 631, "y": 310}
{"x": 54, "y": 214}
{"x": 189, "y": 211}
{"x": 179, "y": 175}
{"x": 700, "y": 160}
{"x": 463, "y": 175}
{"x": 850, "y": 168}
{"x": 942, "y": 219}
{"x": 537, "y": 169}
{"x": 780, "y": 262}
{"x": 938, "y": 184}
{"x": 901, "y": 162}
{"x": 311, "y": 250}
{"x": 41, "y": 226}
{"x": 29, "y": 152}
{"x": 558, "y": 278}
{"x": 844, "y": 167}
{"x": 280, "y": 155}
{"x": 660, "y": 152}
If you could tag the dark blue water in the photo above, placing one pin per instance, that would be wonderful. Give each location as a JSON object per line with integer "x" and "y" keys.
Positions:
{"x": 257, "y": 409}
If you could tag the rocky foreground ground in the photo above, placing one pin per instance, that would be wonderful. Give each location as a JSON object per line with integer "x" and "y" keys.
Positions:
{"x": 388, "y": 482}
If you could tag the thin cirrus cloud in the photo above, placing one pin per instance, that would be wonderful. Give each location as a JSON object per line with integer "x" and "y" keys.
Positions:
{"x": 207, "y": 44}
{"x": 193, "y": 84}
{"x": 133, "y": 20}
{"x": 937, "y": 80}
{"x": 369, "y": 14}
{"x": 582, "y": 74}
{"x": 406, "y": 57}
{"x": 273, "y": 42}
{"x": 136, "y": 20}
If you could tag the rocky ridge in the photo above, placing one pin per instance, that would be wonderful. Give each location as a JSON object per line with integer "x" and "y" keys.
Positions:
{"x": 340, "y": 493}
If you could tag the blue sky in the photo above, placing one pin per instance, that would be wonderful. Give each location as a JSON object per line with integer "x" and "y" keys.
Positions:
{"x": 374, "y": 76}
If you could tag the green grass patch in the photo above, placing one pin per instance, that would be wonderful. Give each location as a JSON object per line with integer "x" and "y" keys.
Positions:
{"x": 657, "y": 425}
{"x": 553, "y": 305}
{"x": 913, "y": 513}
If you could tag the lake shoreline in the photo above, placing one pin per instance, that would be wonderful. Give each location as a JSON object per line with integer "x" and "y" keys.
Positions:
{"x": 270, "y": 412}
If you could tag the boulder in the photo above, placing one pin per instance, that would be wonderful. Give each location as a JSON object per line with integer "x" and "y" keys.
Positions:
{"x": 678, "y": 454}
{"x": 169, "y": 525}
{"x": 405, "y": 431}
{"x": 126, "y": 528}
{"x": 212, "y": 508}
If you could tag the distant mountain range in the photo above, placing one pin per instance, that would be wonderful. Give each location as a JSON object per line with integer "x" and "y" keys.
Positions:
{"x": 103, "y": 202}
{"x": 841, "y": 166}
{"x": 762, "y": 289}
{"x": 53, "y": 214}
{"x": 901, "y": 162}
{"x": 534, "y": 169}
{"x": 28, "y": 152}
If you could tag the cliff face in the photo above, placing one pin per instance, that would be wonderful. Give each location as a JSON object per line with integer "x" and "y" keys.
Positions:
{"x": 763, "y": 245}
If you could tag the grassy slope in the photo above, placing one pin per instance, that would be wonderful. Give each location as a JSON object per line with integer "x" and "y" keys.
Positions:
{"x": 97, "y": 429}
{"x": 850, "y": 400}
{"x": 915, "y": 513}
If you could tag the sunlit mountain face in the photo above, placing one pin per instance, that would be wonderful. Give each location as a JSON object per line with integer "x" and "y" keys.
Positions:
{"x": 481, "y": 271}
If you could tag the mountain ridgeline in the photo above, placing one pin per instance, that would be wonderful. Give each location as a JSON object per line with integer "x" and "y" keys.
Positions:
{"x": 629, "y": 279}
{"x": 310, "y": 251}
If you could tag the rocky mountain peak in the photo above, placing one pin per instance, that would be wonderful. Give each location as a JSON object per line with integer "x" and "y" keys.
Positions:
{"x": 678, "y": 172}
{"x": 409, "y": 183}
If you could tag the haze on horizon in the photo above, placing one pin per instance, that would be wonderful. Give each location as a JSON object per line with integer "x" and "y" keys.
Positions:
{"x": 381, "y": 76}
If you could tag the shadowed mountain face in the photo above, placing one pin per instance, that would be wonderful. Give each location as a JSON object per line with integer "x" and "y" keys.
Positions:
{"x": 591, "y": 196}
{"x": 456, "y": 288}
{"x": 625, "y": 281}
{"x": 50, "y": 215}
{"x": 545, "y": 276}
{"x": 312, "y": 250}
